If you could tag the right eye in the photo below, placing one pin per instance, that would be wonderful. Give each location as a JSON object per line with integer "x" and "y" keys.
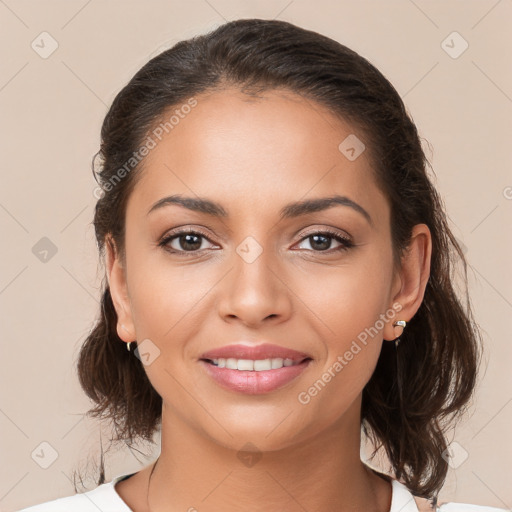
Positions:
{"x": 185, "y": 241}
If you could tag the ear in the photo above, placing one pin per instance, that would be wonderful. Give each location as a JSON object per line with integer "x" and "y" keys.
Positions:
{"x": 116, "y": 275}
{"x": 410, "y": 282}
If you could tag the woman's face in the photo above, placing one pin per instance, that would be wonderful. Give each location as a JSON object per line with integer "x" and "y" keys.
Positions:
{"x": 252, "y": 276}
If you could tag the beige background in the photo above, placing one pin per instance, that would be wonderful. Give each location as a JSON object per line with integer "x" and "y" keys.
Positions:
{"x": 52, "y": 109}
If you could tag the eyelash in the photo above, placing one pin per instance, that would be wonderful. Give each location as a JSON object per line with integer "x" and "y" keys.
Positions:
{"x": 345, "y": 242}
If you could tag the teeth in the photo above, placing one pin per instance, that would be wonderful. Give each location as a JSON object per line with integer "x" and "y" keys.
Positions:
{"x": 252, "y": 365}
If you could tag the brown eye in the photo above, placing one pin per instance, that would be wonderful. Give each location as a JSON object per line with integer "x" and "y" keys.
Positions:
{"x": 322, "y": 241}
{"x": 189, "y": 242}
{"x": 184, "y": 242}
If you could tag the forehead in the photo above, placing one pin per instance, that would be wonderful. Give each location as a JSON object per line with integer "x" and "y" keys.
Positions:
{"x": 254, "y": 153}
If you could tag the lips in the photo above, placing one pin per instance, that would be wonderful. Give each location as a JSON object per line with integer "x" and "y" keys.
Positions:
{"x": 254, "y": 382}
{"x": 255, "y": 352}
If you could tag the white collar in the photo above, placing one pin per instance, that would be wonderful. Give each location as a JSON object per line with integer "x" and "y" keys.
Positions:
{"x": 401, "y": 498}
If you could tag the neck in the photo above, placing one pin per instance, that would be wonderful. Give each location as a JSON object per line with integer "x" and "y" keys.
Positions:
{"x": 323, "y": 472}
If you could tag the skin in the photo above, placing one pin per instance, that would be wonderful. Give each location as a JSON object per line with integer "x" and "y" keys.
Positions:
{"x": 254, "y": 156}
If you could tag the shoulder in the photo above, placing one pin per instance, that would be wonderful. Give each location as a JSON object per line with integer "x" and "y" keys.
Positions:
{"x": 425, "y": 506}
{"x": 103, "y": 497}
{"x": 466, "y": 507}
{"x": 76, "y": 503}
{"x": 404, "y": 501}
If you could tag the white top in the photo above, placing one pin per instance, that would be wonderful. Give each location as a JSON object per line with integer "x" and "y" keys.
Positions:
{"x": 106, "y": 499}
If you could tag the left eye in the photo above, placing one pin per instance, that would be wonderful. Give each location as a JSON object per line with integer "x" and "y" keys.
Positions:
{"x": 322, "y": 241}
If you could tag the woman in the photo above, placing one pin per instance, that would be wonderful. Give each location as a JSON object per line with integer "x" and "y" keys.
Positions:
{"x": 275, "y": 249}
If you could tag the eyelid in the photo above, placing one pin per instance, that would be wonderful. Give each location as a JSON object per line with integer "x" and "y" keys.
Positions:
{"x": 326, "y": 229}
{"x": 342, "y": 238}
{"x": 180, "y": 230}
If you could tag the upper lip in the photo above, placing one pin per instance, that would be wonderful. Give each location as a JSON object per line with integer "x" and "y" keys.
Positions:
{"x": 256, "y": 352}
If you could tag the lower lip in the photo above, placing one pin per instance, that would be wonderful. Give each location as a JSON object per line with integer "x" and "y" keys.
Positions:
{"x": 254, "y": 383}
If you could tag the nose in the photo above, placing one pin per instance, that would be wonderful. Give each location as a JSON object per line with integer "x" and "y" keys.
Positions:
{"x": 255, "y": 292}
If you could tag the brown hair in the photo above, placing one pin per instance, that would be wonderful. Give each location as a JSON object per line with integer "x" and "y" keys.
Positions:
{"x": 413, "y": 395}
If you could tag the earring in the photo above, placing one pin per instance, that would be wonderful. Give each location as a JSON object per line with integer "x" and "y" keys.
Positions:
{"x": 401, "y": 323}
{"x": 128, "y": 345}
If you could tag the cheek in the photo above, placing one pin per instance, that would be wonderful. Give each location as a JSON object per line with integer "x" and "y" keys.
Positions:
{"x": 346, "y": 306}
{"x": 167, "y": 308}
{"x": 346, "y": 299}
{"x": 353, "y": 347}
{"x": 162, "y": 291}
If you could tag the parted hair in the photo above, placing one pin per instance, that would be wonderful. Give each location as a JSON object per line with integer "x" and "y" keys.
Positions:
{"x": 419, "y": 389}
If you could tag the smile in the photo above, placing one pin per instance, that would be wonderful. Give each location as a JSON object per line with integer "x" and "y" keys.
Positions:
{"x": 257, "y": 365}
{"x": 251, "y": 376}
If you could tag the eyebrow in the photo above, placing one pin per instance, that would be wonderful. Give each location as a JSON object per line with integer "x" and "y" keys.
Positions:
{"x": 291, "y": 210}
